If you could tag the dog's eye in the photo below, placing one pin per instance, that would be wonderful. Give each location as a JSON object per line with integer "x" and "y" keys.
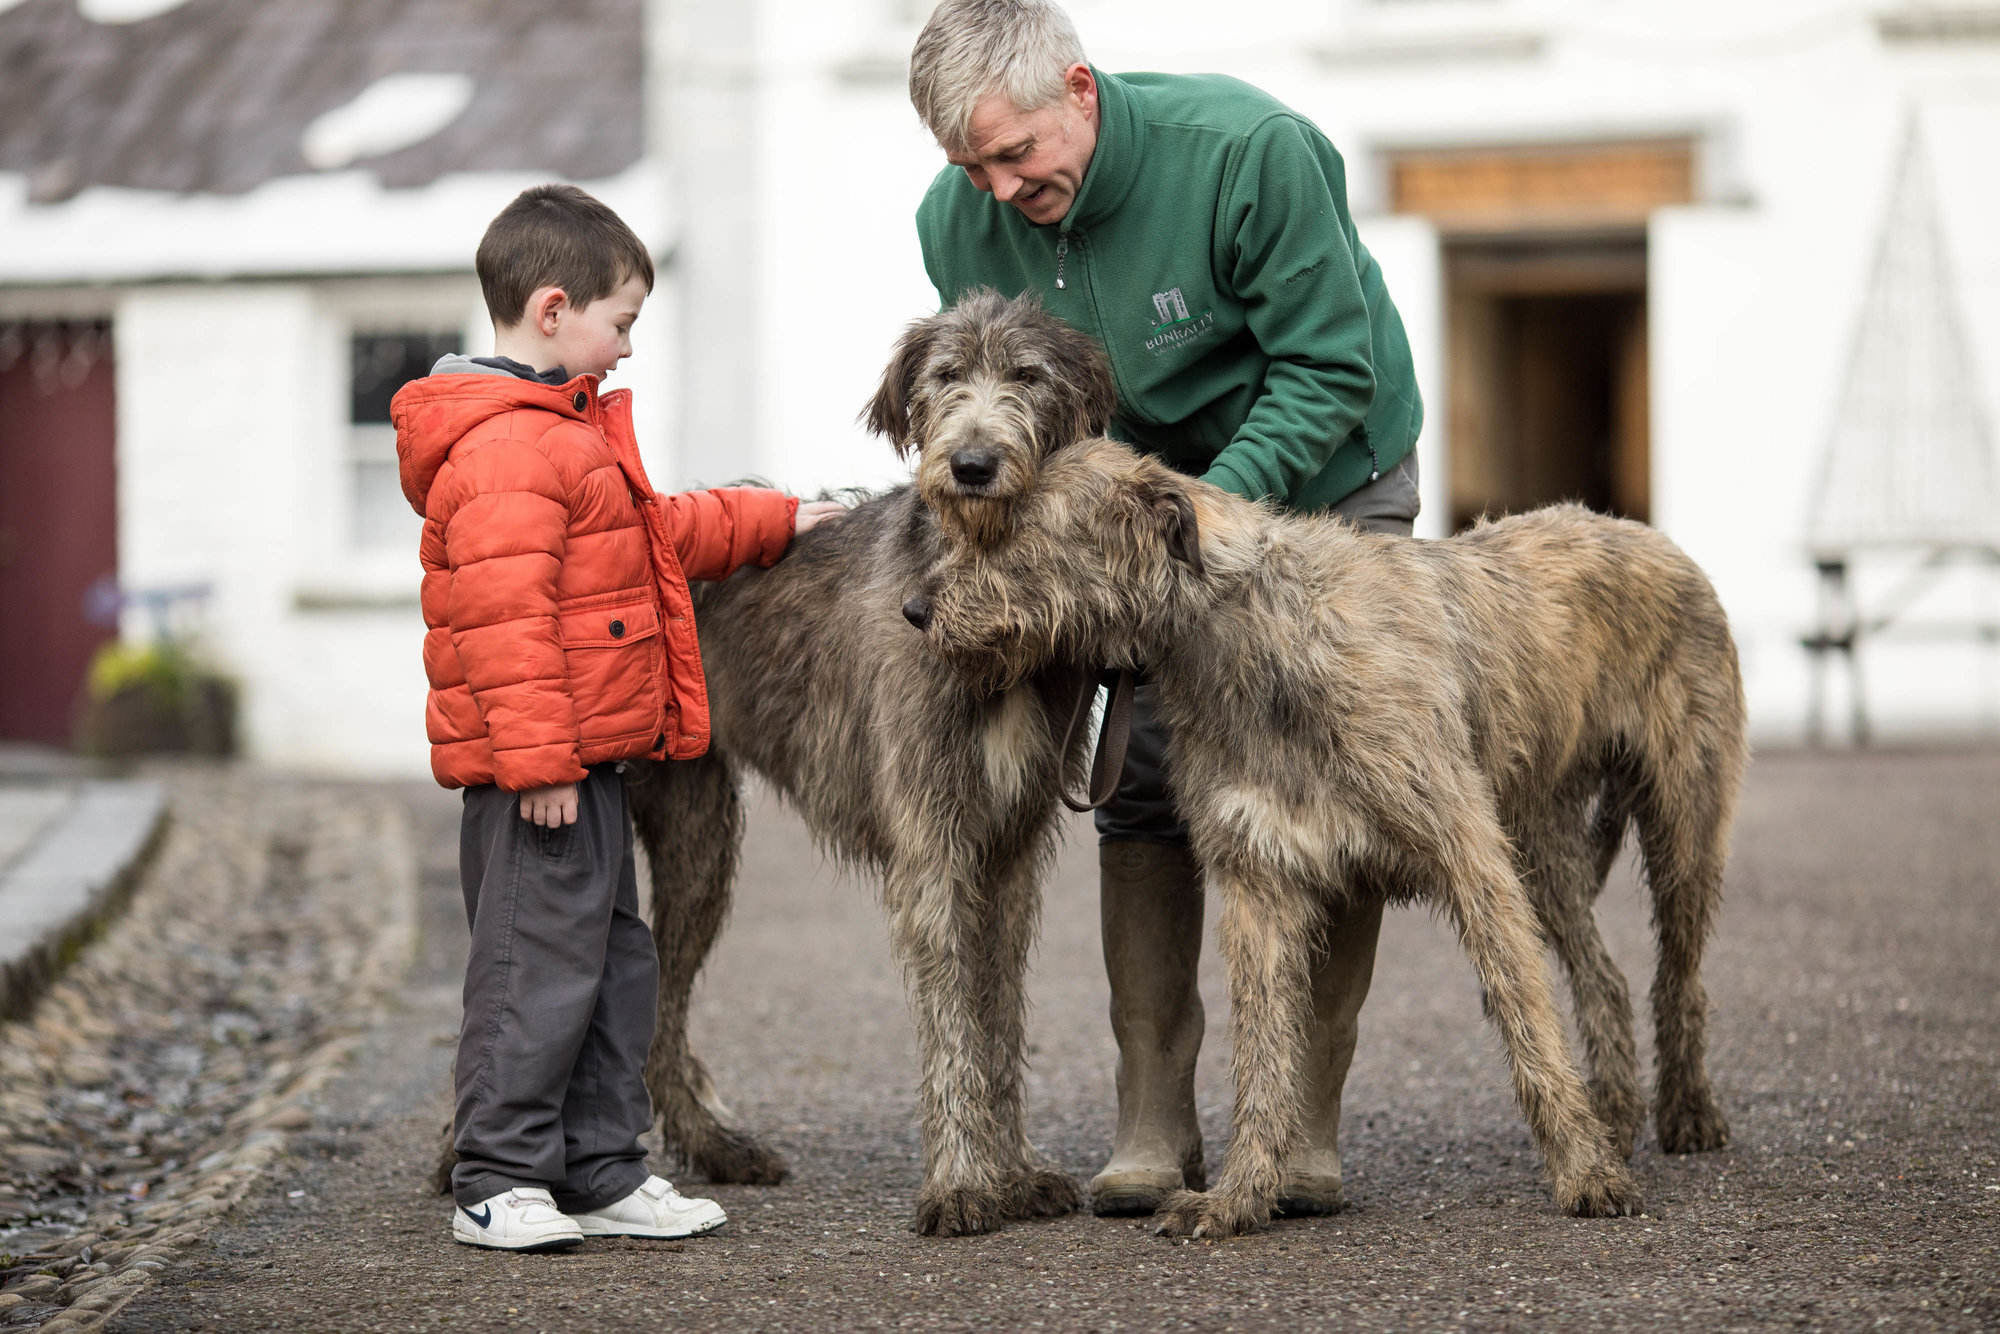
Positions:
{"x": 947, "y": 373}
{"x": 1024, "y": 375}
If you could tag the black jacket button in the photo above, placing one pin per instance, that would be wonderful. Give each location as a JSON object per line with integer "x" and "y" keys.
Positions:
{"x": 618, "y": 629}
{"x": 582, "y": 400}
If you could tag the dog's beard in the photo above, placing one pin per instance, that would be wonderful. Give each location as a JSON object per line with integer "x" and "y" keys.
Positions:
{"x": 983, "y": 667}
{"x": 974, "y": 520}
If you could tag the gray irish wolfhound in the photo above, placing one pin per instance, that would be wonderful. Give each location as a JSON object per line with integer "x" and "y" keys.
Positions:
{"x": 948, "y": 793}
{"x": 1472, "y": 721}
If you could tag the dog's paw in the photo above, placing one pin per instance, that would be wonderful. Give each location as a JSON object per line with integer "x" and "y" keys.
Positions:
{"x": 1187, "y": 1213}
{"x": 1691, "y": 1124}
{"x": 734, "y": 1157}
{"x": 1604, "y": 1191}
{"x": 959, "y": 1213}
{"x": 1040, "y": 1193}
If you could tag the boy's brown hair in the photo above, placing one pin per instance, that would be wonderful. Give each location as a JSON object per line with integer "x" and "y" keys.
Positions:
{"x": 556, "y": 236}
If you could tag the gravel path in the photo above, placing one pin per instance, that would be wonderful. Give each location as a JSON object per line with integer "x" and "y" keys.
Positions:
{"x": 162, "y": 1072}
{"x": 1856, "y": 983}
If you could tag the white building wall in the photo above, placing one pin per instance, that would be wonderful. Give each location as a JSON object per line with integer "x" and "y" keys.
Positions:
{"x": 1795, "y": 107}
{"x": 1412, "y": 264}
{"x": 796, "y": 266}
{"x": 211, "y": 422}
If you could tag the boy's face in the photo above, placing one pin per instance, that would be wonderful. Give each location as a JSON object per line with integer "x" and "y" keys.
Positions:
{"x": 593, "y": 339}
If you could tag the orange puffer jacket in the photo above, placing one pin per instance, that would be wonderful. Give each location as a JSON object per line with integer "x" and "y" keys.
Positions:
{"x": 560, "y": 629}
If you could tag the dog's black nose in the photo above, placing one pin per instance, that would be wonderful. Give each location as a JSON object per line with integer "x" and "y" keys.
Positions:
{"x": 974, "y": 467}
{"x": 917, "y": 611}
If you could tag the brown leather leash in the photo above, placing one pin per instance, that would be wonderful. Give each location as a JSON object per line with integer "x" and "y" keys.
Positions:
{"x": 1109, "y": 761}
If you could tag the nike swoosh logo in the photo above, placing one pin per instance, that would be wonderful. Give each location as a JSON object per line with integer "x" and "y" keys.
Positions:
{"x": 484, "y": 1217}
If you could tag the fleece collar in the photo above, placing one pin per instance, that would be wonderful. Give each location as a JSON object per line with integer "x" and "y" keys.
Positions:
{"x": 1114, "y": 162}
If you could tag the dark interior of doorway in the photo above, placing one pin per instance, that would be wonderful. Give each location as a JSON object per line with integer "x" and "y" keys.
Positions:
{"x": 1549, "y": 385}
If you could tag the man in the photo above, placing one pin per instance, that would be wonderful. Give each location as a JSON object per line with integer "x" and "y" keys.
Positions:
{"x": 1200, "y": 231}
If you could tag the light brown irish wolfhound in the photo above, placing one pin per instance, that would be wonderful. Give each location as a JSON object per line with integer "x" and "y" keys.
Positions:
{"x": 1472, "y": 721}
{"x": 948, "y": 793}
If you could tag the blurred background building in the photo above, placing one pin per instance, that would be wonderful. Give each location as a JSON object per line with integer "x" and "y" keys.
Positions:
{"x": 1732, "y": 269}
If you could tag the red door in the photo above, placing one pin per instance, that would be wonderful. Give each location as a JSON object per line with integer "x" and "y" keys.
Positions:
{"x": 58, "y": 517}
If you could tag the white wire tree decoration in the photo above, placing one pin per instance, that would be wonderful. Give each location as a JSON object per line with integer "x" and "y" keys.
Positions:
{"x": 1909, "y": 463}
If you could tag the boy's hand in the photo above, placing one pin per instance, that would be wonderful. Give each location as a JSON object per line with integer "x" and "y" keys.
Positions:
{"x": 814, "y": 512}
{"x": 551, "y": 807}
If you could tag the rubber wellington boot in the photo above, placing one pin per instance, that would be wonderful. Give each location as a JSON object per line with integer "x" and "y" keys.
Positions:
{"x": 1151, "y": 900}
{"x": 1342, "y": 970}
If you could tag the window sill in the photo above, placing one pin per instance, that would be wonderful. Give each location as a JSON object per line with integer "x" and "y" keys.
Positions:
{"x": 1393, "y": 34}
{"x": 1939, "y": 23}
{"x": 361, "y": 589}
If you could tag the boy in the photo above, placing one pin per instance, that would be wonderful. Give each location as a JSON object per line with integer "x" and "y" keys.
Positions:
{"x": 560, "y": 642}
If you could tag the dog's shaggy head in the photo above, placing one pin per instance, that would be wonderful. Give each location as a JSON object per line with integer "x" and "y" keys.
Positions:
{"x": 985, "y": 392}
{"x": 1104, "y": 561}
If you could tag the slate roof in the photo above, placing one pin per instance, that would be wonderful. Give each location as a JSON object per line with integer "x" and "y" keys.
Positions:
{"x": 213, "y": 95}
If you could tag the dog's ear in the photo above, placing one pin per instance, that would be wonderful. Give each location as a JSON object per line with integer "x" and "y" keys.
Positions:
{"x": 1093, "y": 394}
{"x": 888, "y": 413}
{"x": 1173, "y": 512}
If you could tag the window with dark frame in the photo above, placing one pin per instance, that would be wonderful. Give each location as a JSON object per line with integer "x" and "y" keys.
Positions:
{"x": 380, "y": 363}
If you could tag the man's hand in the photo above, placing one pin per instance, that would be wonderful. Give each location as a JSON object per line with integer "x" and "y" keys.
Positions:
{"x": 551, "y": 807}
{"x": 813, "y": 512}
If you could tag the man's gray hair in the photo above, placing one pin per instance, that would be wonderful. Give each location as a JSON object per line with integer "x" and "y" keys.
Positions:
{"x": 970, "y": 48}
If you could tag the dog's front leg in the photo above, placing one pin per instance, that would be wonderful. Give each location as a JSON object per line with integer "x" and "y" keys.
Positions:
{"x": 933, "y": 927}
{"x": 1010, "y": 906}
{"x": 1266, "y": 934}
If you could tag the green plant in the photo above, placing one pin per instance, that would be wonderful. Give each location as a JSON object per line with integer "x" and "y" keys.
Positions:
{"x": 154, "y": 697}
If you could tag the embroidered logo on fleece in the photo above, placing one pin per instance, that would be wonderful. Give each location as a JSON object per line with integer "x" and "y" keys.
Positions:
{"x": 1177, "y": 327}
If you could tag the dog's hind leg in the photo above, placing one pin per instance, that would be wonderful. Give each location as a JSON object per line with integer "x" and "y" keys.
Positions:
{"x": 1490, "y": 908}
{"x": 1266, "y": 931}
{"x": 1558, "y": 856}
{"x": 447, "y": 1159}
{"x": 1683, "y": 814}
{"x": 689, "y": 817}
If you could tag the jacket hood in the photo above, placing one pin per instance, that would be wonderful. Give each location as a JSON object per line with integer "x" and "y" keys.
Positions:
{"x": 433, "y": 414}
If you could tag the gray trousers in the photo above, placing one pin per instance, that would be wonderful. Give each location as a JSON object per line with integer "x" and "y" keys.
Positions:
{"x": 1143, "y": 808}
{"x": 559, "y": 996}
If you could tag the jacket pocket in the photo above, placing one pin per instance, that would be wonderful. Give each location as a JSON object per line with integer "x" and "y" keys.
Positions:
{"x": 611, "y": 622}
{"x": 612, "y": 650}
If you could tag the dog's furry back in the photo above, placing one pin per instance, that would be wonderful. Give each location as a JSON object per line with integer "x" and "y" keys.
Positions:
{"x": 817, "y": 683}
{"x": 1535, "y": 642}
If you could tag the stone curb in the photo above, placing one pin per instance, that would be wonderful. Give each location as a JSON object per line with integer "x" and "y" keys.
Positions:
{"x": 106, "y": 1270}
{"x": 78, "y": 874}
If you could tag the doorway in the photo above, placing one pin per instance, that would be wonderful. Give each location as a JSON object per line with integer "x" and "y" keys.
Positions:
{"x": 1548, "y": 391}
{"x": 58, "y": 517}
{"x": 1544, "y": 249}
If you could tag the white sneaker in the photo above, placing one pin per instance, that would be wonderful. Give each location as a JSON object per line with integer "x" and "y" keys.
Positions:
{"x": 522, "y": 1219}
{"x": 656, "y": 1209}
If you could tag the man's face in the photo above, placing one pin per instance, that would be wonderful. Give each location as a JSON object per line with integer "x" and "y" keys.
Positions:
{"x": 1033, "y": 160}
{"x": 592, "y": 339}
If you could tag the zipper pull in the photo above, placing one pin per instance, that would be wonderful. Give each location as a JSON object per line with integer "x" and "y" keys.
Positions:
{"x": 1062, "y": 253}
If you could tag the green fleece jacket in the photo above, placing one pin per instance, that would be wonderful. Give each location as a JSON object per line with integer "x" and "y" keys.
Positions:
{"x": 1211, "y": 252}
